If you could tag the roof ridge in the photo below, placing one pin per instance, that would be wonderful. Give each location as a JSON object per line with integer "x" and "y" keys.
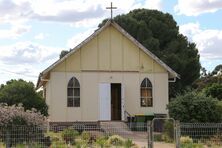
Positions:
{"x": 121, "y": 30}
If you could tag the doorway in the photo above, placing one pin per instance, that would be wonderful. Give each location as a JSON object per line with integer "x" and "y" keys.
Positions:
{"x": 116, "y": 101}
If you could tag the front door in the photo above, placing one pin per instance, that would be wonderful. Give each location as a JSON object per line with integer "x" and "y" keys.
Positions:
{"x": 105, "y": 101}
{"x": 116, "y": 101}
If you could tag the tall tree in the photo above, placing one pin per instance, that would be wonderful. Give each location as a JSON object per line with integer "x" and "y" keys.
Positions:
{"x": 217, "y": 69}
{"x": 159, "y": 33}
{"x": 15, "y": 92}
{"x": 63, "y": 53}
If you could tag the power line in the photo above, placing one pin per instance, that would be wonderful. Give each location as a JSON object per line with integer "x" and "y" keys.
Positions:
{"x": 18, "y": 73}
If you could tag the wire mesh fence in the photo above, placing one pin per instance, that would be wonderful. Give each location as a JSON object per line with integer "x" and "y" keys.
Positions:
{"x": 209, "y": 134}
{"x": 76, "y": 135}
{"x": 103, "y": 134}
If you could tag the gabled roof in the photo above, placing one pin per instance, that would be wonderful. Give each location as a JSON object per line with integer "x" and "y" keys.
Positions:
{"x": 121, "y": 30}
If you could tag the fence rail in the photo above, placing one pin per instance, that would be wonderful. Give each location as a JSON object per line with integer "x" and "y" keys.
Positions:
{"x": 96, "y": 135}
{"x": 207, "y": 133}
{"x": 73, "y": 136}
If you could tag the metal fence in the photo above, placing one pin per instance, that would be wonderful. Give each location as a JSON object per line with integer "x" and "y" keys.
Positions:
{"x": 106, "y": 133}
{"x": 206, "y": 133}
{"x": 77, "y": 135}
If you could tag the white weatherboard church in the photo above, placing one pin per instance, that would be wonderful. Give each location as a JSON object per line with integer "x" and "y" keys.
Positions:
{"x": 106, "y": 76}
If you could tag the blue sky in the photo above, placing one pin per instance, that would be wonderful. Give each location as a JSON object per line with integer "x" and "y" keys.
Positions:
{"x": 33, "y": 32}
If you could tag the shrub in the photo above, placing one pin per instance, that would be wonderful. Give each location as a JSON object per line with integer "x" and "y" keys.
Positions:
{"x": 186, "y": 139}
{"x": 128, "y": 143}
{"x": 116, "y": 140}
{"x": 187, "y": 142}
{"x": 20, "y": 91}
{"x": 215, "y": 90}
{"x": 168, "y": 131}
{"x": 85, "y": 136}
{"x": 81, "y": 144}
{"x": 193, "y": 107}
{"x": 16, "y": 115}
{"x": 157, "y": 137}
{"x": 69, "y": 135}
{"x": 101, "y": 141}
{"x": 16, "y": 122}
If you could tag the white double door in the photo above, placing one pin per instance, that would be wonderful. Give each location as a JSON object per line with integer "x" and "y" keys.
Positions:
{"x": 105, "y": 101}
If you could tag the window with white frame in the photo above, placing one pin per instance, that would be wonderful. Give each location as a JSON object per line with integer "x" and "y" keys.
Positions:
{"x": 146, "y": 97}
{"x": 73, "y": 93}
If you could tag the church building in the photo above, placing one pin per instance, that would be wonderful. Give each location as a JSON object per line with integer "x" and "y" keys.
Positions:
{"x": 109, "y": 76}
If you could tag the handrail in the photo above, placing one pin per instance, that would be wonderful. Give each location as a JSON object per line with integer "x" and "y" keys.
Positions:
{"x": 127, "y": 114}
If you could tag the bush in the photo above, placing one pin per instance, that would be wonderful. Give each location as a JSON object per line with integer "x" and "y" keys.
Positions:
{"x": 116, "y": 140}
{"x": 128, "y": 143}
{"x": 101, "y": 141}
{"x": 187, "y": 142}
{"x": 193, "y": 107}
{"x": 168, "y": 131}
{"x": 81, "y": 144}
{"x": 157, "y": 137}
{"x": 85, "y": 136}
{"x": 16, "y": 122}
{"x": 69, "y": 135}
{"x": 20, "y": 91}
{"x": 215, "y": 90}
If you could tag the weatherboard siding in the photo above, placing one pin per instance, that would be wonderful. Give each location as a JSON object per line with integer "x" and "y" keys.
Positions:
{"x": 109, "y": 57}
{"x": 89, "y": 94}
{"x": 112, "y": 51}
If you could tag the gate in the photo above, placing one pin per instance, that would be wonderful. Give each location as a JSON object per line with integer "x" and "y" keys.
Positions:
{"x": 163, "y": 132}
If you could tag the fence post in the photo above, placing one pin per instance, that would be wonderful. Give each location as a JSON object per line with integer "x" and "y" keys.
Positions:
{"x": 177, "y": 133}
{"x": 149, "y": 133}
{"x": 8, "y": 139}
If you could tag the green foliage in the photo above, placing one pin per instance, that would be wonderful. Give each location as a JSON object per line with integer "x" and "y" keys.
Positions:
{"x": 158, "y": 137}
{"x": 128, "y": 143}
{"x": 63, "y": 53}
{"x": 101, "y": 141}
{"x": 193, "y": 107}
{"x": 69, "y": 135}
{"x": 210, "y": 79}
{"x": 215, "y": 91}
{"x": 159, "y": 33}
{"x": 116, "y": 140}
{"x": 16, "y": 122}
{"x": 217, "y": 69}
{"x": 81, "y": 144}
{"x": 187, "y": 142}
{"x": 22, "y": 92}
{"x": 205, "y": 82}
{"x": 85, "y": 136}
{"x": 168, "y": 131}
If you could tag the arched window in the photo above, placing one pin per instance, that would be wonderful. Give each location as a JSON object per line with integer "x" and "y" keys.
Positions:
{"x": 146, "y": 96}
{"x": 73, "y": 93}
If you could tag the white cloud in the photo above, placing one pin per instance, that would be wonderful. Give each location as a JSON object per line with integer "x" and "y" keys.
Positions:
{"x": 41, "y": 36}
{"x": 154, "y": 4}
{"x": 25, "y": 60}
{"x": 190, "y": 29}
{"x": 197, "y": 7}
{"x": 14, "y": 32}
{"x": 208, "y": 41}
{"x": 67, "y": 11}
{"x": 78, "y": 38}
{"x": 27, "y": 53}
{"x": 12, "y": 12}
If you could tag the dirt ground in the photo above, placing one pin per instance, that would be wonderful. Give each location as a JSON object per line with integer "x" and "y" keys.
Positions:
{"x": 143, "y": 144}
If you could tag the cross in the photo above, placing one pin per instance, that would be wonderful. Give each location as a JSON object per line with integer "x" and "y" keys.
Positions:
{"x": 111, "y": 8}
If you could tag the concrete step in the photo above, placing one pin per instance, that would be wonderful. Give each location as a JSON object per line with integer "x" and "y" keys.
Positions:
{"x": 116, "y": 128}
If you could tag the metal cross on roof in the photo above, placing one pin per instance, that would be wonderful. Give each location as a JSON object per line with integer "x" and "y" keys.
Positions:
{"x": 111, "y": 8}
